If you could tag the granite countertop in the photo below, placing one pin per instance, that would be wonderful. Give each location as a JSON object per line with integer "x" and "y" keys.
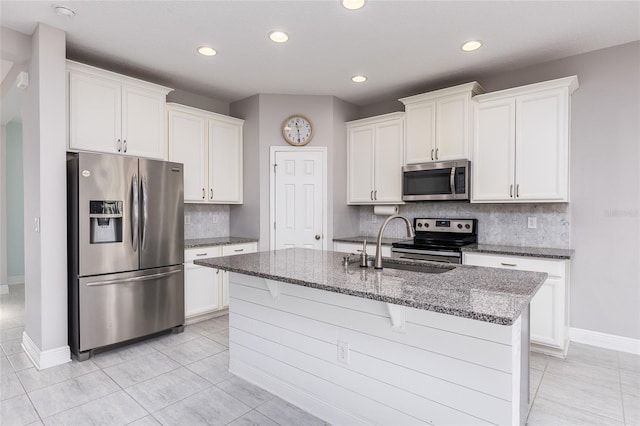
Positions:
{"x": 487, "y": 294}
{"x": 371, "y": 241}
{"x": 550, "y": 253}
{"x": 216, "y": 241}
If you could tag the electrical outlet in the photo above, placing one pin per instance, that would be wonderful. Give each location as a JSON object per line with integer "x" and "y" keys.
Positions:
{"x": 187, "y": 219}
{"x": 532, "y": 222}
{"x": 343, "y": 352}
{"x": 374, "y": 218}
{"x": 215, "y": 218}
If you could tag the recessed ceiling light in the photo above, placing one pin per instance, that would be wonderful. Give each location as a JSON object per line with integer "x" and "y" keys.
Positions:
{"x": 278, "y": 36}
{"x": 353, "y": 4}
{"x": 359, "y": 78}
{"x": 471, "y": 45}
{"x": 64, "y": 11}
{"x": 206, "y": 51}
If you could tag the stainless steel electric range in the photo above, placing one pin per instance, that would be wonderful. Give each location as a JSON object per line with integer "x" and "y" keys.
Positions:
{"x": 438, "y": 240}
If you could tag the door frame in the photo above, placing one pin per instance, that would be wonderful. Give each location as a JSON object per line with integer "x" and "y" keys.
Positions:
{"x": 272, "y": 188}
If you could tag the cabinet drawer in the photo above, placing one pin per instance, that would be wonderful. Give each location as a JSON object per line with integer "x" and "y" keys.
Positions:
{"x": 200, "y": 253}
{"x": 555, "y": 268}
{"x": 238, "y": 249}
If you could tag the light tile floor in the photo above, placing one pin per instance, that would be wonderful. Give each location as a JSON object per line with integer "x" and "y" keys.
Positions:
{"x": 182, "y": 379}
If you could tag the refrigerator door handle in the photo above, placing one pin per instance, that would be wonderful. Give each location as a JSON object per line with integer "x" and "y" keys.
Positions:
{"x": 145, "y": 211}
{"x": 134, "y": 279}
{"x": 135, "y": 207}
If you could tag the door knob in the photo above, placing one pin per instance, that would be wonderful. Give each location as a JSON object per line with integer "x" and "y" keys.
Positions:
{"x": 317, "y": 237}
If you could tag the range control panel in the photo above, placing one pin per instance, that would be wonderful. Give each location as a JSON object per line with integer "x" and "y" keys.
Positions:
{"x": 460, "y": 226}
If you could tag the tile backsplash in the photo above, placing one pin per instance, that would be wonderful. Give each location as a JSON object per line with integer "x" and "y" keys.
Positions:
{"x": 206, "y": 221}
{"x": 503, "y": 224}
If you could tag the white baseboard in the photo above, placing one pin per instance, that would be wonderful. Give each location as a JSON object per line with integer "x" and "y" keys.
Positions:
{"x": 4, "y": 289}
{"x": 45, "y": 359}
{"x": 603, "y": 340}
{"x": 18, "y": 279}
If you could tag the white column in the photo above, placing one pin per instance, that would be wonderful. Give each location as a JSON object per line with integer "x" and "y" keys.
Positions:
{"x": 44, "y": 132}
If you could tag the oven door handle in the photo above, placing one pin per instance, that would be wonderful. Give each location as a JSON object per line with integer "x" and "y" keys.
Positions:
{"x": 452, "y": 180}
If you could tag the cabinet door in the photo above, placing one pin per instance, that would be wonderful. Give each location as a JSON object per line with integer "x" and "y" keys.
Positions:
{"x": 421, "y": 132}
{"x": 542, "y": 148}
{"x": 493, "y": 152}
{"x": 225, "y": 163}
{"x": 224, "y": 275}
{"x": 388, "y": 162}
{"x": 94, "y": 113}
{"x": 546, "y": 315}
{"x": 201, "y": 292}
{"x": 452, "y": 128}
{"x": 188, "y": 145}
{"x": 360, "y": 164}
{"x": 143, "y": 123}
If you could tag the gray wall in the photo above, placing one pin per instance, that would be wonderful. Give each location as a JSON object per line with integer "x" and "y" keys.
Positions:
{"x": 604, "y": 216}
{"x": 15, "y": 202}
{"x": 198, "y": 101}
{"x": 263, "y": 115}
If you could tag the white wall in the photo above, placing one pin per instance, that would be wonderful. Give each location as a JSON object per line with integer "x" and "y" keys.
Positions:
{"x": 3, "y": 214}
{"x": 44, "y": 134}
{"x": 15, "y": 202}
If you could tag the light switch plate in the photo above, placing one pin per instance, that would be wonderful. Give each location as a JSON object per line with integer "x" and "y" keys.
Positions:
{"x": 187, "y": 219}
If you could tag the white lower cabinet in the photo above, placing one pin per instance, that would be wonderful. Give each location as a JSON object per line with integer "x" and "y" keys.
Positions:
{"x": 357, "y": 248}
{"x": 549, "y": 314}
{"x": 206, "y": 289}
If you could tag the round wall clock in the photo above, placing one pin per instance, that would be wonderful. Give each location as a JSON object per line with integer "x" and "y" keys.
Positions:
{"x": 297, "y": 130}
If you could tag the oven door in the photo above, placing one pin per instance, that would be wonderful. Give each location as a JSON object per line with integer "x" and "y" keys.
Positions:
{"x": 448, "y": 180}
{"x": 442, "y": 256}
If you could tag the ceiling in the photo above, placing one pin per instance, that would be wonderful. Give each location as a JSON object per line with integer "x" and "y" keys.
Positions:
{"x": 402, "y": 46}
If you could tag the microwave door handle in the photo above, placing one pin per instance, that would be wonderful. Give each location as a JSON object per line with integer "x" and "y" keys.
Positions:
{"x": 135, "y": 208}
{"x": 452, "y": 181}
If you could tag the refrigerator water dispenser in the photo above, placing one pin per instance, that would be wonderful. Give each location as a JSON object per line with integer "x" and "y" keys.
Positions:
{"x": 105, "y": 220}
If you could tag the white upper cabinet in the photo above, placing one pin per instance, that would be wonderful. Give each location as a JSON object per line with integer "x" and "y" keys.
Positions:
{"x": 438, "y": 124}
{"x": 112, "y": 113}
{"x": 210, "y": 147}
{"x": 375, "y": 147}
{"x": 521, "y": 143}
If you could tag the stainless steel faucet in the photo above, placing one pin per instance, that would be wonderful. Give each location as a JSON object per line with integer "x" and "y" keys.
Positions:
{"x": 410, "y": 233}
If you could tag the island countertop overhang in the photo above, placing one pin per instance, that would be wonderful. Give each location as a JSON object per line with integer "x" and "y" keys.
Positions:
{"x": 486, "y": 294}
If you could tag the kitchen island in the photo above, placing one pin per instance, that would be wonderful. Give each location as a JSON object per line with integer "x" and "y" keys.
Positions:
{"x": 358, "y": 346}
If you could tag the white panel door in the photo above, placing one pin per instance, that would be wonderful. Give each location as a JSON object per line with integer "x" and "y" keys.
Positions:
{"x": 421, "y": 132}
{"x": 493, "y": 152}
{"x": 360, "y": 164}
{"x": 225, "y": 162}
{"x": 299, "y": 202}
{"x": 188, "y": 145}
{"x": 452, "y": 128}
{"x": 541, "y": 146}
{"x": 143, "y": 123}
{"x": 94, "y": 113}
{"x": 388, "y": 162}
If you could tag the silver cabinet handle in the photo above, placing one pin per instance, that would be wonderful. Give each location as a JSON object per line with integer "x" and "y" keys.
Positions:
{"x": 371, "y": 195}
{"x": 211, "y": 196}
{"x": 134, "y": 279}
{"x": 203, "y": 193}
{"x": 437, "y": 149}
{"x": 135, "y": 207}
{"x": 375, "y": 195}
{"x": 431, "y": 154}
{"x": 236, "y": 250}
{"x": 508, "y": 264}
{"x": 517, "y": 190}
{"x": 118, "y": 144}
{"x": 201, "y": 254}
{"x": 511, "y": 191}
{"x": 125, "y": 145}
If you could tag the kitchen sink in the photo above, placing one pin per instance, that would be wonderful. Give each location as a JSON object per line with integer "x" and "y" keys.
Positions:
{"x": 427, "y": 269}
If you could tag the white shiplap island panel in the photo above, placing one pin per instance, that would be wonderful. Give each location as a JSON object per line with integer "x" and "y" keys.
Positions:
{"x": 421, "y": 367}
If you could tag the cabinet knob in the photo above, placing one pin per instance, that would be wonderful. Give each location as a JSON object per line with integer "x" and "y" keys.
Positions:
{"x": 318, "y": 237}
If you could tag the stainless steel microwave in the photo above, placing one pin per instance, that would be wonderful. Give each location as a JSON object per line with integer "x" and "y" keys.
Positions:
{"x": 445, "y": 180}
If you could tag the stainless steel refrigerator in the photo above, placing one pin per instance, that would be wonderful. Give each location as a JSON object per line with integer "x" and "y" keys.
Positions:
{"x": 126, "y": 249}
